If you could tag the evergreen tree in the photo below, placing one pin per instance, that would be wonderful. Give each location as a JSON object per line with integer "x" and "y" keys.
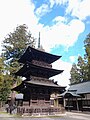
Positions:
{"x": 14, "y": 45}
{"x": 4, "y": 84}
{"x": 81, "y": 70}
{"x": 74, "y": 74}
{"x": 87, "y": 55}
{"x": 1, "y": 73}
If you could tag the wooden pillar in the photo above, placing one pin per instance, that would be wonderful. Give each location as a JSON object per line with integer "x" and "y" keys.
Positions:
{"x": 56, "y": 102}
{"x": 77, "y": 104}
{"x": 64, "y": 102}
{"x": 68, "y": 103}
{"x": 13, "y": 93}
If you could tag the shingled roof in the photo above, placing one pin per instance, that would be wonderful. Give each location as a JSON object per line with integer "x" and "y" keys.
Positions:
{"x": 30, "y": 69}
{"x": 81, "y": 88}
{"x": 35, "y": 54}
{"x": 77, "y": 90}
{"x": 36, "y": 83}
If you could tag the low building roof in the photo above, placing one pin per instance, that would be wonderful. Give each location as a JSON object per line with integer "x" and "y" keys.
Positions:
{"x": 77, "y": 90}
{"x": 68, "y": 94}
{"x": 80, "y": 88}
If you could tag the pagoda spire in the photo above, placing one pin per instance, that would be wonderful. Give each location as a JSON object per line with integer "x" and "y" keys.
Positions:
{"x": 39, "y": 41}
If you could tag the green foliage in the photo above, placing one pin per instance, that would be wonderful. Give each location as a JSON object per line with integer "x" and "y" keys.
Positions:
{"x": 1, "y": 72}
{"x": 15, "y": 45}
{"x": 16, "y": 42}
{"x": 82, "y": 69}
{"x": 4, "y": 84}
{"x": 4, "y": 91}
{"x": 87, "y": 47}
{"x": 74, "y": 74}
{"x": 80, "y": 72}
{"x": 87, "y": 55}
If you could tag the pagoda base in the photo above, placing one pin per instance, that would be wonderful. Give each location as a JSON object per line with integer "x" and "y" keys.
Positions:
{"x": 39, "y": 111}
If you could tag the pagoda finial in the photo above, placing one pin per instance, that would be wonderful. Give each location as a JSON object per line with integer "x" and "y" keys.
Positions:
{"x": 39, "y": 41}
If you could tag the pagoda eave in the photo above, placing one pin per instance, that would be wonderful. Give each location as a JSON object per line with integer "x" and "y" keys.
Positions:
{"x": 34, "y": 70}
{"x": 26, "y": 85}
{"x": 35, "y": 54}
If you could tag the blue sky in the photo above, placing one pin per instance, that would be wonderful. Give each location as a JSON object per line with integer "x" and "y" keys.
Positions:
{"x": 63, "y": 26}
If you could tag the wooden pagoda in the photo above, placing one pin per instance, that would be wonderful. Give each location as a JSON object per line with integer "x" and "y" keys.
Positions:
{"x": 39, "y": 92}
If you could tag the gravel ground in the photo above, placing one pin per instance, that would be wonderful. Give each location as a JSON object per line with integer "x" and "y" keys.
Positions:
{"x": 67, "y": 116}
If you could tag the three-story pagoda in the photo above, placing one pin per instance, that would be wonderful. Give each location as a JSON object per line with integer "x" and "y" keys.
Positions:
{"x": 39, "y": 91}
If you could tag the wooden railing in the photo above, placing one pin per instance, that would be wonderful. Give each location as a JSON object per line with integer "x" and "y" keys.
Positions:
{"x": 41, "y": 63}
{"x": 40, "y": 79}
{"x": 39, "y": 110}
{"x": 40, "y": 103}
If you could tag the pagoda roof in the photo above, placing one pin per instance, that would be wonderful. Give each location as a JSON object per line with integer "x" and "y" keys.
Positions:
{"x": 44, "y": 84}
{"x": 28, "y": 84}
{"x": 29, "y": 69}
{"x": 35, "y": 54}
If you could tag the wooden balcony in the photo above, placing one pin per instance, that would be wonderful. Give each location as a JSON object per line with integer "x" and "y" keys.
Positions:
{"x": 43, "y": 64}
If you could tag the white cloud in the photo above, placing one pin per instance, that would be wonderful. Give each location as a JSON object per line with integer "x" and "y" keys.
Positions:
{"x": 63, "y": 78}
{"x": 79, "y": 8}
{"x": 57, "y": 2}
{"x": 22, "y": 12}
{"x": 42, "y": 10}
{"x": 17, "y": 12}
{"x": 73, "y": 59}
{"x": 61, "y": 34}
{"x": 59, "y": 19}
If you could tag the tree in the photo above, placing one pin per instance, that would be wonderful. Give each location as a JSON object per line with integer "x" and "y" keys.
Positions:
{"x": 87, "y": 55}
{"x": 1, "y": 74}
{"x": 4, "y": 90}
{"x": 14, "y": 46}
{"x": 81, "y": 70}
{"x": 4, "y": 86}
{"x": 1, "y": 71}
{"x": 74, "y": 74}
{"x": 16, "y": 42}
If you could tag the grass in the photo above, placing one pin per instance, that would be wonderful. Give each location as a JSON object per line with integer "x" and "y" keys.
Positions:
{"x": 3, "y": 112}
